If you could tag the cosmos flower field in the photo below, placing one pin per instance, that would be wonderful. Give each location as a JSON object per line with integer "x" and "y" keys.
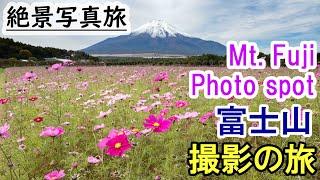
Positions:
{"x": 117, "y": 122}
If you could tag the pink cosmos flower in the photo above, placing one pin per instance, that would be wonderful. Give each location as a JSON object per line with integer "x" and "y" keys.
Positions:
{"x": 103, "y": 142}
{"x": 98, "y": 127}
{"x": 167, "y": 104}
{"x": 93, "y": 160}
{"x": 216, "y": 122}
{"x": 21, "y": 140}
{"x": 137, "y": 132}
{"x": 22, "y": 147}
{"x": 83, "y": 86}
{"x": 125, "y": 131}
{"x": 164, "y": 112}
{"x": 4, "y": 131}
{"x": 118, "y": 145}
{"x": 156, "y": 104}
{"x": 188, "y": 115}
{"x": 205, "y": 117}
{"x": 29, "y": 76}
{"x": 145, "y": 131}
{"x": 81, "y": 128}
{"x": 21, "y": 98}
{"x": 55, "y": 175}
{"x": 67, "y": 123}
{"x": 168, "y": 96}
{"x": 254, "y": 124}
{"x": 52, "y": 131}
{"x": 154, "y": 96}
{"x": 173, "y": 118}
{"x": 113, "y": 133}
{"x": 146, "y": 91}
{"x": 104, "y": 114}
{"x": 157, "y": 124}
{"x": 162, "y": 76}
{"x": 56, "y": 67}
{"x": 181, "y": 103}
{"x": 74, "y": 165}
{"x": 67, "y": 63}
{"x": 142, "y": 108}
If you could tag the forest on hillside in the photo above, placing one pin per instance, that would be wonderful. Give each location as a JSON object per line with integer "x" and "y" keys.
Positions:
{"x": 10, "y": 49}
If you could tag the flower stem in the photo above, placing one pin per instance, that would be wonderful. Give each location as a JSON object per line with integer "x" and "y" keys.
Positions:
{"x": 10, "y": 164}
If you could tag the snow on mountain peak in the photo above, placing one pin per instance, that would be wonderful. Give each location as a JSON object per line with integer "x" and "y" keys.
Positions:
{"x": 157, "y": 28}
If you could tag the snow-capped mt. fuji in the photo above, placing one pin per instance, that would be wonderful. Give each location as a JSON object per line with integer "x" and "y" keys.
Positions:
{"x": 156, "y": 37}
{"x": 158, "y": 28}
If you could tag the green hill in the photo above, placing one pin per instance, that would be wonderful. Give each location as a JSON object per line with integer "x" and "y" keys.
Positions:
{"x": 17, "y": 50}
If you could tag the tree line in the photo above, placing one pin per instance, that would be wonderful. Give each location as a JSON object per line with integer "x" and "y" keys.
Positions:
{"x": 12, "y": 52}
{"x": 10, "y": 49}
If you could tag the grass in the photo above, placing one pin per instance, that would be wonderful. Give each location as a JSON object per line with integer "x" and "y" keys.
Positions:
{"x": 61, "y": 100}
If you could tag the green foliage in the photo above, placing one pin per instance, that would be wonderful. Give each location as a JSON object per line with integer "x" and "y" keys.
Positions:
{"x": 203, "y": 60}
{"x": 12, "y": 62}
{"x": 15, "y": 50}
{"x": 25, "y": 54}
{"x": 10, "y": 48}
{"x": 267, "y": 57}
{"x": 33, "y": 59}
{"x": 12, "y": 59}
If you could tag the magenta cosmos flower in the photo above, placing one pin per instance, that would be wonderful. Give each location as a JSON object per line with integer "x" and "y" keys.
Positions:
{"x": 4, "y": 101}
{"x": 162, "y": 76}
{"x": 4, "y": 131}
{"x": 115, "y": 146}
{"x": 205, "y": 117}
{"x": 55, "y": 175}
{"x": 29, "y": 76}
{"x": 56, "y": 67}
{"x": 173, "y": 118}
{"x": 181, "y": 104}
{"x": 52, "y": 131}
{"x": 103, "y": 142}
{"x": 157, "y": 124}
{"x": 113, "y": 133}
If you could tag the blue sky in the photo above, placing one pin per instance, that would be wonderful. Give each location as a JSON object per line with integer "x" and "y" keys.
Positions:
{"x": 217, "y": 20}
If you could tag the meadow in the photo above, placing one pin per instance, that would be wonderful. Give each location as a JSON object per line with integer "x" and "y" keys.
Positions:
{"x": 53, "y": 120}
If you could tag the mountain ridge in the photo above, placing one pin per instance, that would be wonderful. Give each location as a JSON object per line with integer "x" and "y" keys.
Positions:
{"x": 156, "y": 37}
